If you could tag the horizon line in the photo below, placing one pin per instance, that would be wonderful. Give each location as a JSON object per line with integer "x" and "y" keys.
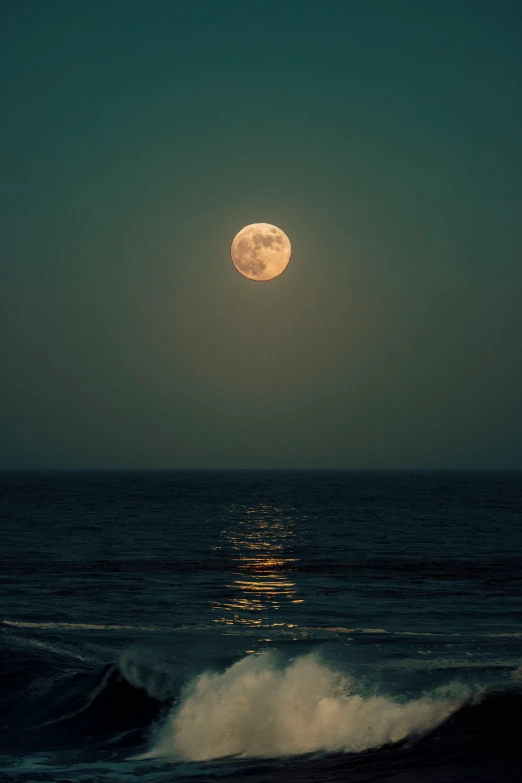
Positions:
{"x": 259, "y": 469}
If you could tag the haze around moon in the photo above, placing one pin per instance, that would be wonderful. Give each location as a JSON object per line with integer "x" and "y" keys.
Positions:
{"x": 261, "y": 251}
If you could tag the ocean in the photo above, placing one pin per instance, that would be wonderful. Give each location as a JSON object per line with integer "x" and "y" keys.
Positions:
{"x": 261, "y": 626}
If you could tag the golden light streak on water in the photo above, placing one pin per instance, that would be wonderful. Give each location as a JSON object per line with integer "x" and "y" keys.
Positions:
{"x": 261, "y": 570}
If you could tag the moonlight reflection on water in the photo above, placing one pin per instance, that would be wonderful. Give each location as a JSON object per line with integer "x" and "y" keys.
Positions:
{"x": 260, "y": 557}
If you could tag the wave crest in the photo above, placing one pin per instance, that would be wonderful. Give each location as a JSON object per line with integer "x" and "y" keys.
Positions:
{"x": 160, "y": 678}
{"x": 259, "y": 708}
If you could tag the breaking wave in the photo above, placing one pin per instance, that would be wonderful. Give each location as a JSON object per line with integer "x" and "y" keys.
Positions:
{"x": 150, "y": 704}
{"x": 261, "y": 708}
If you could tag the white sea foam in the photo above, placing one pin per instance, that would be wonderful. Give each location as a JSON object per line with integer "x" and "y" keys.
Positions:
{"x": 259, "y": 708}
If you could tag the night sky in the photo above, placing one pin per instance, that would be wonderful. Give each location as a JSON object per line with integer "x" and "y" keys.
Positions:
{"x": 384, "y": 137}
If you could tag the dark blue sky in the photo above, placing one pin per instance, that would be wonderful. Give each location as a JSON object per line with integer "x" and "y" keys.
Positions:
{"x": 383, "y": 137}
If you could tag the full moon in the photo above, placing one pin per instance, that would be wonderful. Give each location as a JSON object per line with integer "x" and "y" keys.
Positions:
{"x": 261, "y": 251}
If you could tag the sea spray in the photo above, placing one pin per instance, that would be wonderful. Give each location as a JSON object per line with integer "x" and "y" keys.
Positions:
{"x": 159, "y": 676}
{"x": 260, "y": 708}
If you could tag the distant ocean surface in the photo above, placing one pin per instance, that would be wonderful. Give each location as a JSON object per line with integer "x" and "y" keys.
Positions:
{"x": 261, "y": 626}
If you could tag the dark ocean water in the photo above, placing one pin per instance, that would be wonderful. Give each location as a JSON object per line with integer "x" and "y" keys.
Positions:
{"x": 261, "y": 626}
